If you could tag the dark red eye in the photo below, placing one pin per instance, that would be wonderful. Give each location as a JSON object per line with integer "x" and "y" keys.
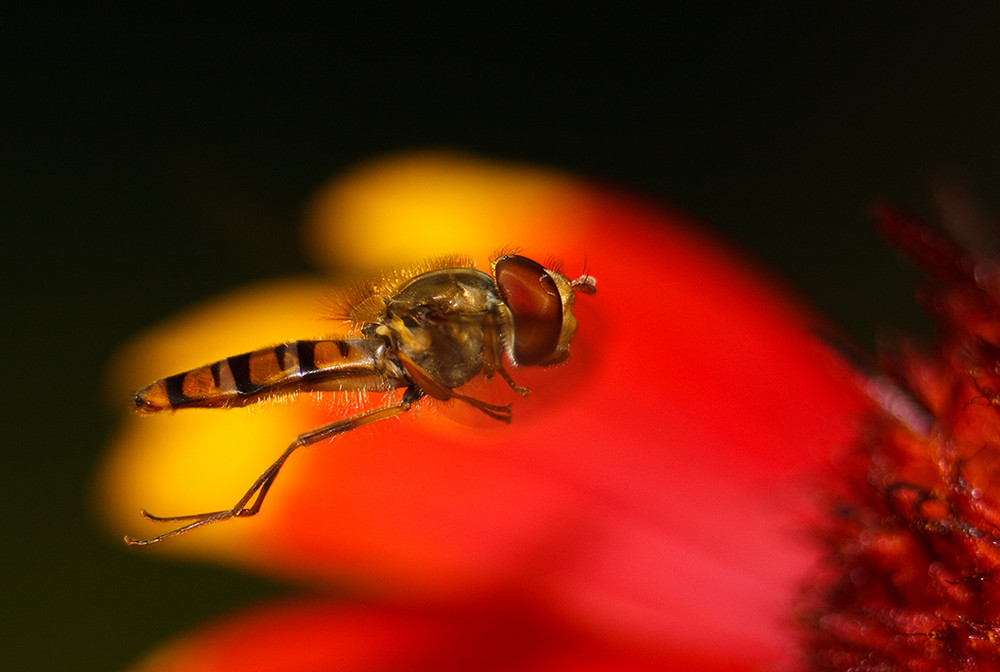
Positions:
{"x": 533, "y": 298}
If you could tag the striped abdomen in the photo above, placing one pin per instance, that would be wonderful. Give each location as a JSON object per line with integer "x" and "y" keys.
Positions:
{"x": 346, "y": 364}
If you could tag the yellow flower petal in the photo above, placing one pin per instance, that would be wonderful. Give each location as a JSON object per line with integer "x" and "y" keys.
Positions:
{"x": 395, "y": 211}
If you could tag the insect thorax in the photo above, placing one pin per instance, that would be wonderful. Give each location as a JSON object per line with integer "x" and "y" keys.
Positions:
{"x": 439, "y": 320}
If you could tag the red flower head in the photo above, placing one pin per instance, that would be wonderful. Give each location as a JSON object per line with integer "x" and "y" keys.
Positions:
{"x": 913, "y": 542}
{"x": 639, "y": 512}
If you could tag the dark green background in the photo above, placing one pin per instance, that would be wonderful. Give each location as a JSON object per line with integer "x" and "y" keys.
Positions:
{"x": 150, "y": 160}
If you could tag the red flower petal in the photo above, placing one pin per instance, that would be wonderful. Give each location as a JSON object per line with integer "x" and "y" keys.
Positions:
{"x": 320, "y": 636}
{"x": 653, "y": 501}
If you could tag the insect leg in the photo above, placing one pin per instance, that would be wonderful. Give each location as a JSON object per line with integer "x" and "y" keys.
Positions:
{"x": 523, "y": 391}
{"x": 435, "y": 389}
{"x": 495, "y": 411}
{"x": 493, "y": 355}
{"x": 259, "y": 489}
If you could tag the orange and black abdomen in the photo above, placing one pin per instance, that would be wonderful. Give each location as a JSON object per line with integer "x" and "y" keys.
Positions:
{"x": 343, "y": 364}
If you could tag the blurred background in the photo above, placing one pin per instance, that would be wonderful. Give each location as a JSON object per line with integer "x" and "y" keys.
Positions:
{"x": 152, "y": 159}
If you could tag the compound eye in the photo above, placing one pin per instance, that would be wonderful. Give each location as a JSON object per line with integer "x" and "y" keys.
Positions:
{"x": 535, "y": 305}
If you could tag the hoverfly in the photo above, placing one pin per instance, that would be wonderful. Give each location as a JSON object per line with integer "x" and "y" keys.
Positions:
{"x": 427, "y": 332}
